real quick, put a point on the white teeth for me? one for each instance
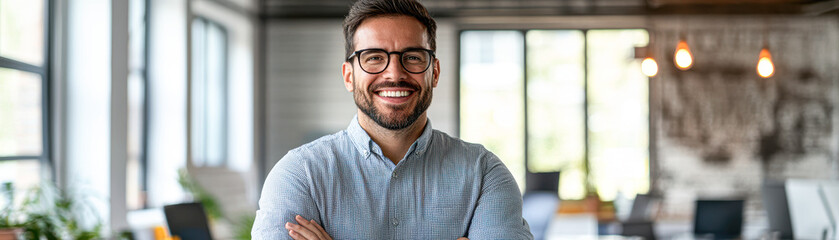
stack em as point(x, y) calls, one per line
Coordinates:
point(393, 93)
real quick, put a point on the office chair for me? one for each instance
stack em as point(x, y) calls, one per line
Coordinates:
point(640, 223)
point(643, 229)
point(540, 201)
point(777, 209)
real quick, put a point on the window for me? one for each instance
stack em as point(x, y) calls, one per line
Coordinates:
point(572, 101)
point(24, 102)
point(491, 85)
point(137, 106)
point(209, 93)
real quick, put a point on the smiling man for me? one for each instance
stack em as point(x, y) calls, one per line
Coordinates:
point(389, 175)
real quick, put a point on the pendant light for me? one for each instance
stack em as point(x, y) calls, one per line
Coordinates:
point(683, 57)
point(649, 67)
point(765, 67)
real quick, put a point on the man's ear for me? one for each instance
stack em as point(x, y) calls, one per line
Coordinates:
point(435, 73)
point(346, 71)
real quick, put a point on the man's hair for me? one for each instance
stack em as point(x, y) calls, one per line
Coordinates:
point(364, 9)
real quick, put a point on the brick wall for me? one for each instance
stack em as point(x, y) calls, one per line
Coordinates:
point(721, 129)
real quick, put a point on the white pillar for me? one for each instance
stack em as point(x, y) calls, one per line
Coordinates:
point(87, 107)
point(119, 113)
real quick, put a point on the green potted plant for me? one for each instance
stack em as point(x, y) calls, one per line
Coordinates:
point(46, 213)
point(9, 229)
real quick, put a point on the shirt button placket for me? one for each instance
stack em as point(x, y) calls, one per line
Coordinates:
point(394, 221)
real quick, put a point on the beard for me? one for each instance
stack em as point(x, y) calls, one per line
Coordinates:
point(399, 119)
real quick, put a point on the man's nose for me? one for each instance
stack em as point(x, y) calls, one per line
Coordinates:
point(394, 70)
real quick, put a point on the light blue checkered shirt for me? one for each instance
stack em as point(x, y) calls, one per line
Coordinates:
point(444, 188)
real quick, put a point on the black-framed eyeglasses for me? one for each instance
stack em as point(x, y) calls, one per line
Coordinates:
point(375, 60)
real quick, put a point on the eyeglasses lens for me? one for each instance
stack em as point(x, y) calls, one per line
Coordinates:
point(375, 61)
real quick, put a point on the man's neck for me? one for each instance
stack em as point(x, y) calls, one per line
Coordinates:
point(394, 143)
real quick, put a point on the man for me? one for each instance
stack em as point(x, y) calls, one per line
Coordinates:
point(389, 175)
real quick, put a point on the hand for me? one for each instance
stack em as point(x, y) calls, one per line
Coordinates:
point(306, 229)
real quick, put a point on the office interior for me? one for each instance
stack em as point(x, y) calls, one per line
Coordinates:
point(619, 119)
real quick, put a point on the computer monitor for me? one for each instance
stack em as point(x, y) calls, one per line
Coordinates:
point(187, 221)
point(777, 210)
point(723, 219)
point(813, 207)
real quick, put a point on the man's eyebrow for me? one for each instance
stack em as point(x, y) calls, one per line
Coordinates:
point(412, 47)
point(400, 50)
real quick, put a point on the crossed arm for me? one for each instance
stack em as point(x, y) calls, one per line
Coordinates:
point(285, 196)
point(306, 229)
point(311, 230)
point(286, 201)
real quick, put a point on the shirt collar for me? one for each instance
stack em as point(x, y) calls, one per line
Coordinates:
point(359, 137)
point(364, 143)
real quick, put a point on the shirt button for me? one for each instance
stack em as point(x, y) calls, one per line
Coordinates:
point(394, 222)
point(395, 175)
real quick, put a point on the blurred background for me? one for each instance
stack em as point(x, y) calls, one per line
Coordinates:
point(127, 106)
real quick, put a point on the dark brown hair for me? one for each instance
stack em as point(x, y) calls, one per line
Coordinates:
point(364, 9)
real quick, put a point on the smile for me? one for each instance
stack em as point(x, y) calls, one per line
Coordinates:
point(394, 93)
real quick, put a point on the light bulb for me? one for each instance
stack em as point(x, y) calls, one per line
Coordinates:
point(649, 67)
point(765, 67)
point(683, 57)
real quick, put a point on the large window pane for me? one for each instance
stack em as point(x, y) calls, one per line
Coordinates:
point(492, 95)
point(618, 113)
point(20, 113)
point(209, 94)
point(556, 107)
point(586, 106)
point(22, 30)
point(23, 174)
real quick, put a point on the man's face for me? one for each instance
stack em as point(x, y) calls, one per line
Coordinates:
point(382, 96)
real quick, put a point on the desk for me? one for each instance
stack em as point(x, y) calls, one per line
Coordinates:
point(584, 226)
point(586, 237)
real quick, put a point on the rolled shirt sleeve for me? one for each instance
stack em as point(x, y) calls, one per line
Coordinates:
point(286, 193)
point(498, 214)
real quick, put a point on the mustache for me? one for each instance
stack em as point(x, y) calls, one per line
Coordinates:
point(400, 84)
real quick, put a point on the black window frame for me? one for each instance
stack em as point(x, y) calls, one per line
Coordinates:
point(142, 157)
point(586, 104)
point(45, 72)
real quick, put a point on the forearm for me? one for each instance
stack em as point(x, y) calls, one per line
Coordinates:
point(498, 214)
point(286, 194)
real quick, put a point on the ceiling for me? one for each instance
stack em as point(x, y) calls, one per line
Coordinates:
point(458, 8)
